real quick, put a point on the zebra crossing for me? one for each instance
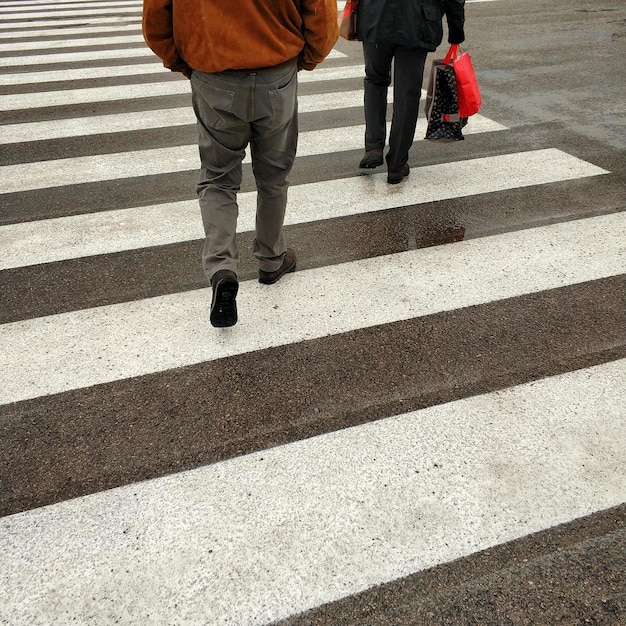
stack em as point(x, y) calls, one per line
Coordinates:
point(418, 391)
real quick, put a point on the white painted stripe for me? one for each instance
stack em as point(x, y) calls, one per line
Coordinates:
point(26, 26)
point(82, 73)
point(69, 97)
point(19, 177)
point(54, 32)
point(261, 537)
point(64, 97)
point(8, 7)
point(321, 73)
point(143, 120)
point(50, 44)
point(97, 125)
point(74, 3)
point(71, 57)
point(44, 241)
point(83, 348)
point(79, 13)
point(97, 55)
point(119, 165)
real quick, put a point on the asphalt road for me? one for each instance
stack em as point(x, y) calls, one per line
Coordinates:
point(425, 424)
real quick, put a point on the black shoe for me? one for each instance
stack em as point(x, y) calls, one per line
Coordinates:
point(393, 178)
point(289, 265)
point(223, 305)
point(371, 159)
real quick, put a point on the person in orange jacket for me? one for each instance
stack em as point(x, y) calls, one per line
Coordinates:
point(242, 57)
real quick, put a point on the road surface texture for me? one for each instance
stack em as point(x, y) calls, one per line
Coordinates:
point(425, 424)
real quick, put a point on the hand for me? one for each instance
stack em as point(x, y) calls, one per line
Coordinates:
point(303, 65)
point(456, 36)
point(182, 67)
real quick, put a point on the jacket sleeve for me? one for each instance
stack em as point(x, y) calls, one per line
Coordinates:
point(158, 32)
point(455, 16)
point(319, 29)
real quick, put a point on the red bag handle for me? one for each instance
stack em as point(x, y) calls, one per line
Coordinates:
point(350, 8)
point(454, 52)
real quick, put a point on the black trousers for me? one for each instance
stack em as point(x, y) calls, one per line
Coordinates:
point(408, 73)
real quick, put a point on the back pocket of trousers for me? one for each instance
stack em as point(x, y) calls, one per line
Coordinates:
point(213, 105)
point(283, 100)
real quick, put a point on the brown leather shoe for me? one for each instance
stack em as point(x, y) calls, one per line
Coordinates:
point(393, 178)
point(289, 265)
point(371, 159)
point(223, 304)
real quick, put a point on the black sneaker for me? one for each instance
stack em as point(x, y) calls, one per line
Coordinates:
point(223, 304)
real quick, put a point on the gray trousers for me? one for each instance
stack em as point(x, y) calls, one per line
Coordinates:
point(235, 109)
point(408, 73)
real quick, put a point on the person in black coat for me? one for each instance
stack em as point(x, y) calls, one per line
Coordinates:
point(402, 32)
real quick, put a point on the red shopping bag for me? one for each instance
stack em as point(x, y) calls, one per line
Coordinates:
point(466, 82)
point(347, 21)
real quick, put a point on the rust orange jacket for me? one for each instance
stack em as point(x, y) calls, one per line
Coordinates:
point(217, 35)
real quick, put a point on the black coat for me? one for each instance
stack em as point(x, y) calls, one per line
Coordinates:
point(413, 23)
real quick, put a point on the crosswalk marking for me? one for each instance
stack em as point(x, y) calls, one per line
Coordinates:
point(126, 340)
point(94, 94)
point(111, 9)
point(169, 88)
point(321, 73)
point(160, 118)
point(83, 73)
point(112, 231)
point(24, 7)
point(73, 57)
point(33, 35)
point(76, 170)
point(55, 44)
point(7, 26)
point(142, 120)
point(68, 9)
point(267, 535)
point(99, 55)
